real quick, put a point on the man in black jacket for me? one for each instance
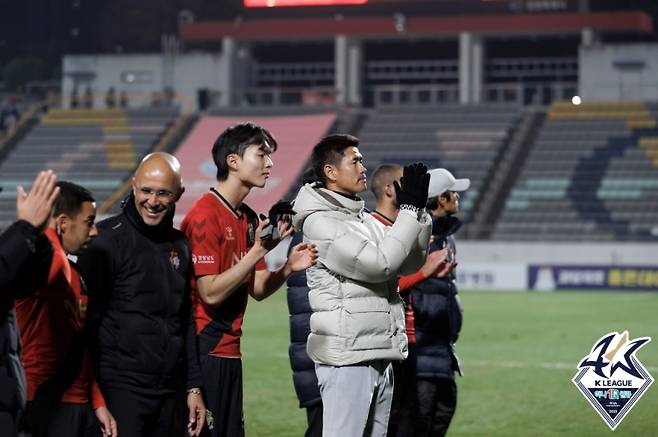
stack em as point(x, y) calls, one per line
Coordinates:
point(138, 272)
point(25, 255)
point(438, 314)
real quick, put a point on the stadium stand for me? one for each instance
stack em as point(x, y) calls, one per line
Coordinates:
point(97, 149)
point(466, 139)
point(591, 176)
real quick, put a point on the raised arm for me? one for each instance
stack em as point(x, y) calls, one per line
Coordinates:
point(351, 253)
point(25, 253)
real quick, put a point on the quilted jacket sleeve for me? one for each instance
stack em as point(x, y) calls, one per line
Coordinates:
point(418, 255)
point(346, 249)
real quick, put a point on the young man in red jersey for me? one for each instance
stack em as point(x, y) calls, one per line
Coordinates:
point(228, 246)
point(61, 390)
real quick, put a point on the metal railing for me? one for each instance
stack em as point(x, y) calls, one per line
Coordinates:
point(412, 70)
point(515, 93)
point(283, 72)
point(285, 96)
point(318, 73)
point(394, 95)
point(532, 68)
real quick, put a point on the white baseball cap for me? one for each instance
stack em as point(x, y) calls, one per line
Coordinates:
point(442, 180)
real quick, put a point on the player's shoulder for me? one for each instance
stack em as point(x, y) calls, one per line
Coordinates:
point(204, 207)
point(325, 225)
point(113, 227)
point(205, 202)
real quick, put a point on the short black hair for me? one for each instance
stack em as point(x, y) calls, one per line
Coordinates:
point(330, 150)
point(236, 139)
point(71, 197)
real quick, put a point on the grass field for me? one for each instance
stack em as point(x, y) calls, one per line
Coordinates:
point(519, 352)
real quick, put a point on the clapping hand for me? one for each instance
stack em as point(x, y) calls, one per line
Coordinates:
point(36, 206)
point(412, 189)
point(279, 221)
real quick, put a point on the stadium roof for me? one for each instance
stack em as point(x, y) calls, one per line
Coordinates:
point(383, 27)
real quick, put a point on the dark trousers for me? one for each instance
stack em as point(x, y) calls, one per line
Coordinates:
point(403, 408)
point(437, 401)
point(8, 426)
point(61, 419)
point(140, 415)
point(314, 420)
point(222, 393)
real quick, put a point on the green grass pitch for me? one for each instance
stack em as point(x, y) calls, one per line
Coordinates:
point(518, 351)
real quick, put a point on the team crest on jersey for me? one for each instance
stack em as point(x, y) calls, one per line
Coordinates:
point(229, 233)
point(174, 260)
point(251, 234)
point(612, 378)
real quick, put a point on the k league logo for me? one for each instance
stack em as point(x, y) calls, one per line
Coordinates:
point(611, 377)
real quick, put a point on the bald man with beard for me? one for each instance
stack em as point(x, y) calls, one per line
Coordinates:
point(137, 273)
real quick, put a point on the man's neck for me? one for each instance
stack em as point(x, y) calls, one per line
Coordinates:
point(388, 210)
point(234, 191)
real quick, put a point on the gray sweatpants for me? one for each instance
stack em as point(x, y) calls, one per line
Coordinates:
point(356, 399)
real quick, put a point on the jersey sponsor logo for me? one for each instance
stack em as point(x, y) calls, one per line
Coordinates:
point(203, 259)
point(612, 378)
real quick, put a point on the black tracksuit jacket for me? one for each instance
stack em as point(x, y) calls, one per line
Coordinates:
point(142, 334)
point(438, 312)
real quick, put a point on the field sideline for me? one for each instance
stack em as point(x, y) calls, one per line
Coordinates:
point(519, 352)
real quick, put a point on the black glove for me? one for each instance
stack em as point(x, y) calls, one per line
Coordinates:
point(280, 211)
point(415, 182)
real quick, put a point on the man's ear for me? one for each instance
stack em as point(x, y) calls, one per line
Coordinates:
point(389, 190)
point(442, 201)
point(232, 161)
point(134, 184)
point(330, 172)
point(62, 222)
point(180, 193)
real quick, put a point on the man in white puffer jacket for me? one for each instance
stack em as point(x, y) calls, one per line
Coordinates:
point(357, 326)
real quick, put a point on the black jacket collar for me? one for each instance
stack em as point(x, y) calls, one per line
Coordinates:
point(159, 232)
point(445, 225)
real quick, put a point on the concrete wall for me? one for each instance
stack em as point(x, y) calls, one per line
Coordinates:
point(142, 75)
point(558, 253)
point(619, 72)
point(547, 267)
